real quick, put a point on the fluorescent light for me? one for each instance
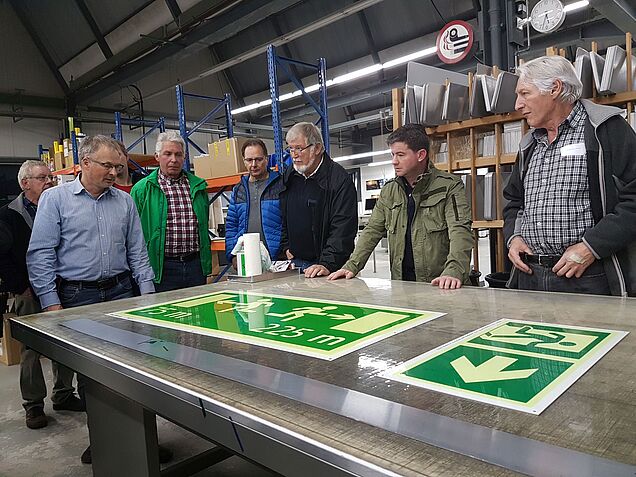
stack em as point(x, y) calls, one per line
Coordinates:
point(360, 73)
point(357, 74)
point(362, 154)
point(576, 6)
point(413, 56)
point(381, 163)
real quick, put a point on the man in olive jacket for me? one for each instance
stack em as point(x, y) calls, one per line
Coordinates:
point(425, 214)
point(173, 208)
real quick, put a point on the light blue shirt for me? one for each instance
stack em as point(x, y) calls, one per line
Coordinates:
point(78, 237)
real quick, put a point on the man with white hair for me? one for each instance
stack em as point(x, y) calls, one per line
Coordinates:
point(570, 225)
point(173, 207)
point(319, 205)
point(16, 222)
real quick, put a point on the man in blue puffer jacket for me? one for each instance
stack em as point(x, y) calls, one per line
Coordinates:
point(254, 205)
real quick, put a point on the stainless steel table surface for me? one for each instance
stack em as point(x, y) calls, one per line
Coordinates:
point(323, 418)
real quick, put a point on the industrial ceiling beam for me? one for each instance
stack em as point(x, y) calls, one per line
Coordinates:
point(373, 50)
point(350, 9)
point(175, 11)
point(88, 16)
point(31, 100)
point(18, 7)
point(621, 13)
point(237, 18)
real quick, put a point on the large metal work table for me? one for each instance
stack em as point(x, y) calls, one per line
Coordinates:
point(305, 416)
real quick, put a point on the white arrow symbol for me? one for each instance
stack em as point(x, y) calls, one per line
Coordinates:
point(491, 370)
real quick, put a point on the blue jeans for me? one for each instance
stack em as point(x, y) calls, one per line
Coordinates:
point(180, 275)
point(593, 281)
point(302, 264)
point(76, 295)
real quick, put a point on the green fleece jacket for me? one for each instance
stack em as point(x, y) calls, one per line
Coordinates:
point(441, 230)
point(152, 206)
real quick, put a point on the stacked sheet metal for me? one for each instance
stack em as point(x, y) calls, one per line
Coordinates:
point(614, 78)
point(583, 67)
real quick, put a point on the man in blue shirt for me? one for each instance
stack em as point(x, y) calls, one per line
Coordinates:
point(87, 243)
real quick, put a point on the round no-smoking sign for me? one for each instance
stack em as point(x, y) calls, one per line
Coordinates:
point(454, 41)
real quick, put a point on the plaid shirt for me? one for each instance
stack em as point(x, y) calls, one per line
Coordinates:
point(557, 198)
point(182, 232)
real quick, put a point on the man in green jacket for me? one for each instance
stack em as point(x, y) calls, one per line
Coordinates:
point(425, 215)
point(173, 208)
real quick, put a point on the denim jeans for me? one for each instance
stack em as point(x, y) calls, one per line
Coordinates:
point(180, 275)
point(32, 383)
point(72, 295)
point(593, 281)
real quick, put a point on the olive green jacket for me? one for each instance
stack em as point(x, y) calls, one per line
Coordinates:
point(441, 231)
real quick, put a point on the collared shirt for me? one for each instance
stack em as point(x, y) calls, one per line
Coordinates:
point(29, 206)
point(557, 199)
point(182, 230)
point(78, 237)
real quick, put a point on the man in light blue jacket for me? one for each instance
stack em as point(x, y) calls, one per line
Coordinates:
point(254, 205)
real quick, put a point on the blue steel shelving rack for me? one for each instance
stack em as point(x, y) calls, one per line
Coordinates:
point(273, 62)
point(225, 102)
point(159, 124)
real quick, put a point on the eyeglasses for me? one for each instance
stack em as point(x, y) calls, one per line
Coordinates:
point(254, 160)
point(298, 149)
point(43, 178)
point(108, 166)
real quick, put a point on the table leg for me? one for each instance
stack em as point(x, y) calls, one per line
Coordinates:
point(123, 434)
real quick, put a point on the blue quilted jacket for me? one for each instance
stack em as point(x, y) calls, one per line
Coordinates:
point(238, 214)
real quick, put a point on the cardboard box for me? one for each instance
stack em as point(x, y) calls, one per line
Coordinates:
point(58, 161)
point(202, 166)
point(225, 158)
point(10, 348)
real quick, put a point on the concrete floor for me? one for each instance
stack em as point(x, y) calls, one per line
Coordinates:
point(55, 450)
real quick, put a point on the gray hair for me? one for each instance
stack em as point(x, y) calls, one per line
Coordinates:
point(543, 71)
point(307, 130)
point(91, 144)
point(26, 168)
point(168, 136)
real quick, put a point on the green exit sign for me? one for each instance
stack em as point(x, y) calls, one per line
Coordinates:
point(516, 364)
point(320, 328)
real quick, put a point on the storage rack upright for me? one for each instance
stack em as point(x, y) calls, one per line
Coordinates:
point(273, 62)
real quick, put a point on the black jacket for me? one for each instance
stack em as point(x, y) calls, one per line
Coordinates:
point(15, 233)
point(610, 145)
point(335, 219)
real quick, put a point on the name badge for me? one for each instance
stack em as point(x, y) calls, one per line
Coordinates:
point(573, 149)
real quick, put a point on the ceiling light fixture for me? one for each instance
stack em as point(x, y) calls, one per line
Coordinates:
point(360, 155)
point(368, 70)
point(576, 6)
point(381, 163)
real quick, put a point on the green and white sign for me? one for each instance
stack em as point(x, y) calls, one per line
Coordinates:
point(516, 364)
point(320, 328)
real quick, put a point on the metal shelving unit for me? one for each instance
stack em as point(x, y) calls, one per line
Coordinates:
point(273, 63)
point(154, 125)
point(223, 103)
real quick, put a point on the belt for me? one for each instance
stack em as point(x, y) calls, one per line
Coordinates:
point(187, 257)
point(103, 284)
point(547, 261)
